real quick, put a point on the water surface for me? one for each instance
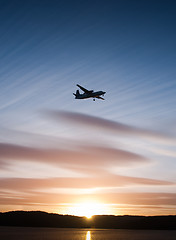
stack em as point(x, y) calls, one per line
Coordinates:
point(22, 233)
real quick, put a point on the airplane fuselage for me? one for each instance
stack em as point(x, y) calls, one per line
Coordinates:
point(90, 95)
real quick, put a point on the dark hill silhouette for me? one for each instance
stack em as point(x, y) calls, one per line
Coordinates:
point(43, 219)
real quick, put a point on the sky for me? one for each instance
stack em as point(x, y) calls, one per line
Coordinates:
point(82, 157)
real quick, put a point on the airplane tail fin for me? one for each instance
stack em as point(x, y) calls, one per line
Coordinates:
point(77, 93)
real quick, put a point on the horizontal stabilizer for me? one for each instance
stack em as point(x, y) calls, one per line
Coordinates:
point(100, 98)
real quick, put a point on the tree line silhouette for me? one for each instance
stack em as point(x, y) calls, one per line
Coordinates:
point(44, 219)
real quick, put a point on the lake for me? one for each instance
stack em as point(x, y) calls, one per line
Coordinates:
point(22, 233)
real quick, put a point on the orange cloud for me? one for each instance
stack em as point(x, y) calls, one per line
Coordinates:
point(134, 200)
point(106, 181)
point(84, 156)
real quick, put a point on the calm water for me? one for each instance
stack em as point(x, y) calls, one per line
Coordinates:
point(19, 233)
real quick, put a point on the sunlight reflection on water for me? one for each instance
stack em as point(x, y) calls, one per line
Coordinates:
point(88, 235)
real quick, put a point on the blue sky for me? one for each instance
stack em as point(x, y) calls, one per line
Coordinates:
point(126, 48)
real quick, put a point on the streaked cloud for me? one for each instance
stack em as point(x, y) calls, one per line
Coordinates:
point(84, 156)
point(107, 181)
point(113, 127)
point(131, 201)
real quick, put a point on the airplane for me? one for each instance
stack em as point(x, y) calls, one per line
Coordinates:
point(88, 94)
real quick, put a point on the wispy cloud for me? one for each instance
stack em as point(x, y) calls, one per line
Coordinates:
point(84, 156)
point(105, 125)
point(39, 200)
point(141, 198)
point(107, 181)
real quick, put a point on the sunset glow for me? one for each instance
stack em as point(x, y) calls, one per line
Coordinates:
point(88, 209)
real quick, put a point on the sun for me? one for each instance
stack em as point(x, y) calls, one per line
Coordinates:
point(87, 209)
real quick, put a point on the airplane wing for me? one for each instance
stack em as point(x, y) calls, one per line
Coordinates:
point(100, 98)
point(84, 89)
